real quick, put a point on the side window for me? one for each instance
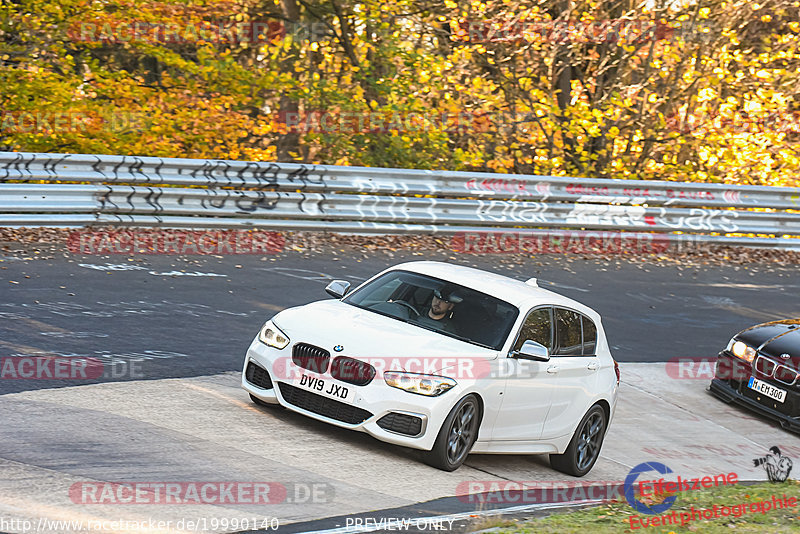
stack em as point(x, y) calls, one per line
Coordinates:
point(589, 336)
point(568, 333)
point(537, 327)
point(387, 291)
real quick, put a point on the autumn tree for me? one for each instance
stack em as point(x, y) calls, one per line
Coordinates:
point(702, 91)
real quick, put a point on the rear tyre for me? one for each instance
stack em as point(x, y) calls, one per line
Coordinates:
point(584, 448)
point(457, 435)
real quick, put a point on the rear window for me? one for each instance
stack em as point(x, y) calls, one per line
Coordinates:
point(568, 333)
point(576, 334)
point(589, 336)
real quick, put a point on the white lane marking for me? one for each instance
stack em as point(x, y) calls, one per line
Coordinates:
point(305, 274)
point(113, 267)
point(185, 273)
point(129, 267)
point(164, 308)
point(73, 334)
point(104, 355)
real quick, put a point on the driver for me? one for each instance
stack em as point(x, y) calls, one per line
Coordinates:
point(439, 314)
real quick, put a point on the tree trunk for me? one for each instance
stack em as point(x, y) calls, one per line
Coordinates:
point(288, 145)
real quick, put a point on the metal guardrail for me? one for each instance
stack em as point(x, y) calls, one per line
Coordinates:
point(185, 193)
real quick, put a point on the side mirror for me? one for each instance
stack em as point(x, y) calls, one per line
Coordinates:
point(532, 350)
point(338, 288)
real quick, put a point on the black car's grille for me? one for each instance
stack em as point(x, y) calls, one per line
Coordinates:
point(769, 369)
point(258, 376)
point(737, 374)
point(401, 423)
point(352, 371)
point(324, 406)
point(785, 375)
point(765, 366)
point(311, 357)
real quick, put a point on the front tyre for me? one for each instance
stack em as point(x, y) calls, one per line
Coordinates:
point(584, 448)
point(457, 435)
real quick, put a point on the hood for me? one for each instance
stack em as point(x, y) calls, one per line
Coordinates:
point(364, 334)
point(774, 338)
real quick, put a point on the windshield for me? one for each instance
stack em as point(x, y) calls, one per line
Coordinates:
point(449, 309)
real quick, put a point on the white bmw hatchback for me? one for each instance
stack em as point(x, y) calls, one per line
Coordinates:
point(446, 359)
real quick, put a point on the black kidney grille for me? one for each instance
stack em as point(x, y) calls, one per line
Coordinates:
point(324, 406)
point(258, 376)
point(352, 371)
point(311, 357)
point(401, 423)
point(765, 366)
point(785, 375)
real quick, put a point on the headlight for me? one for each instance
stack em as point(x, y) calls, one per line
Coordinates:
point(428, 385)
point(743, 351)
point(273, 336)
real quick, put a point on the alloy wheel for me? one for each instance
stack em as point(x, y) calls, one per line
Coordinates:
point(461, 433)
point(589, 441)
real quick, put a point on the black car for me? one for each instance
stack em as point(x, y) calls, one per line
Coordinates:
point(760, 368)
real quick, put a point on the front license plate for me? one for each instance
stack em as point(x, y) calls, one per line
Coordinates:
point(770, 391)
point(318, 385)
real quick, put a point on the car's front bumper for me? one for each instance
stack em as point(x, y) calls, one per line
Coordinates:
point(730, 384)
point(370, 403)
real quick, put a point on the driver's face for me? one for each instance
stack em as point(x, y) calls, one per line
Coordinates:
point(440, 306)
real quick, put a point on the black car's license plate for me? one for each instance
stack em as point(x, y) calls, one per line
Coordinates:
point(324, 386)
point(770, 391)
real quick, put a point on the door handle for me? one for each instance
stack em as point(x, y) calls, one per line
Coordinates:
point(553, 369)
point(593, 366)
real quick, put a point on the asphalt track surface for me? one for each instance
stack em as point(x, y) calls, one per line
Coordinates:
point(172, 333)
point(195, 315)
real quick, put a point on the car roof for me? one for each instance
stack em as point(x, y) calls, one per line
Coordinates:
point(515, 292)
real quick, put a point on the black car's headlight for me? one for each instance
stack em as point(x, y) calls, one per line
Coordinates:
point(273, 336)
point(742, 350)
point(429, 385)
